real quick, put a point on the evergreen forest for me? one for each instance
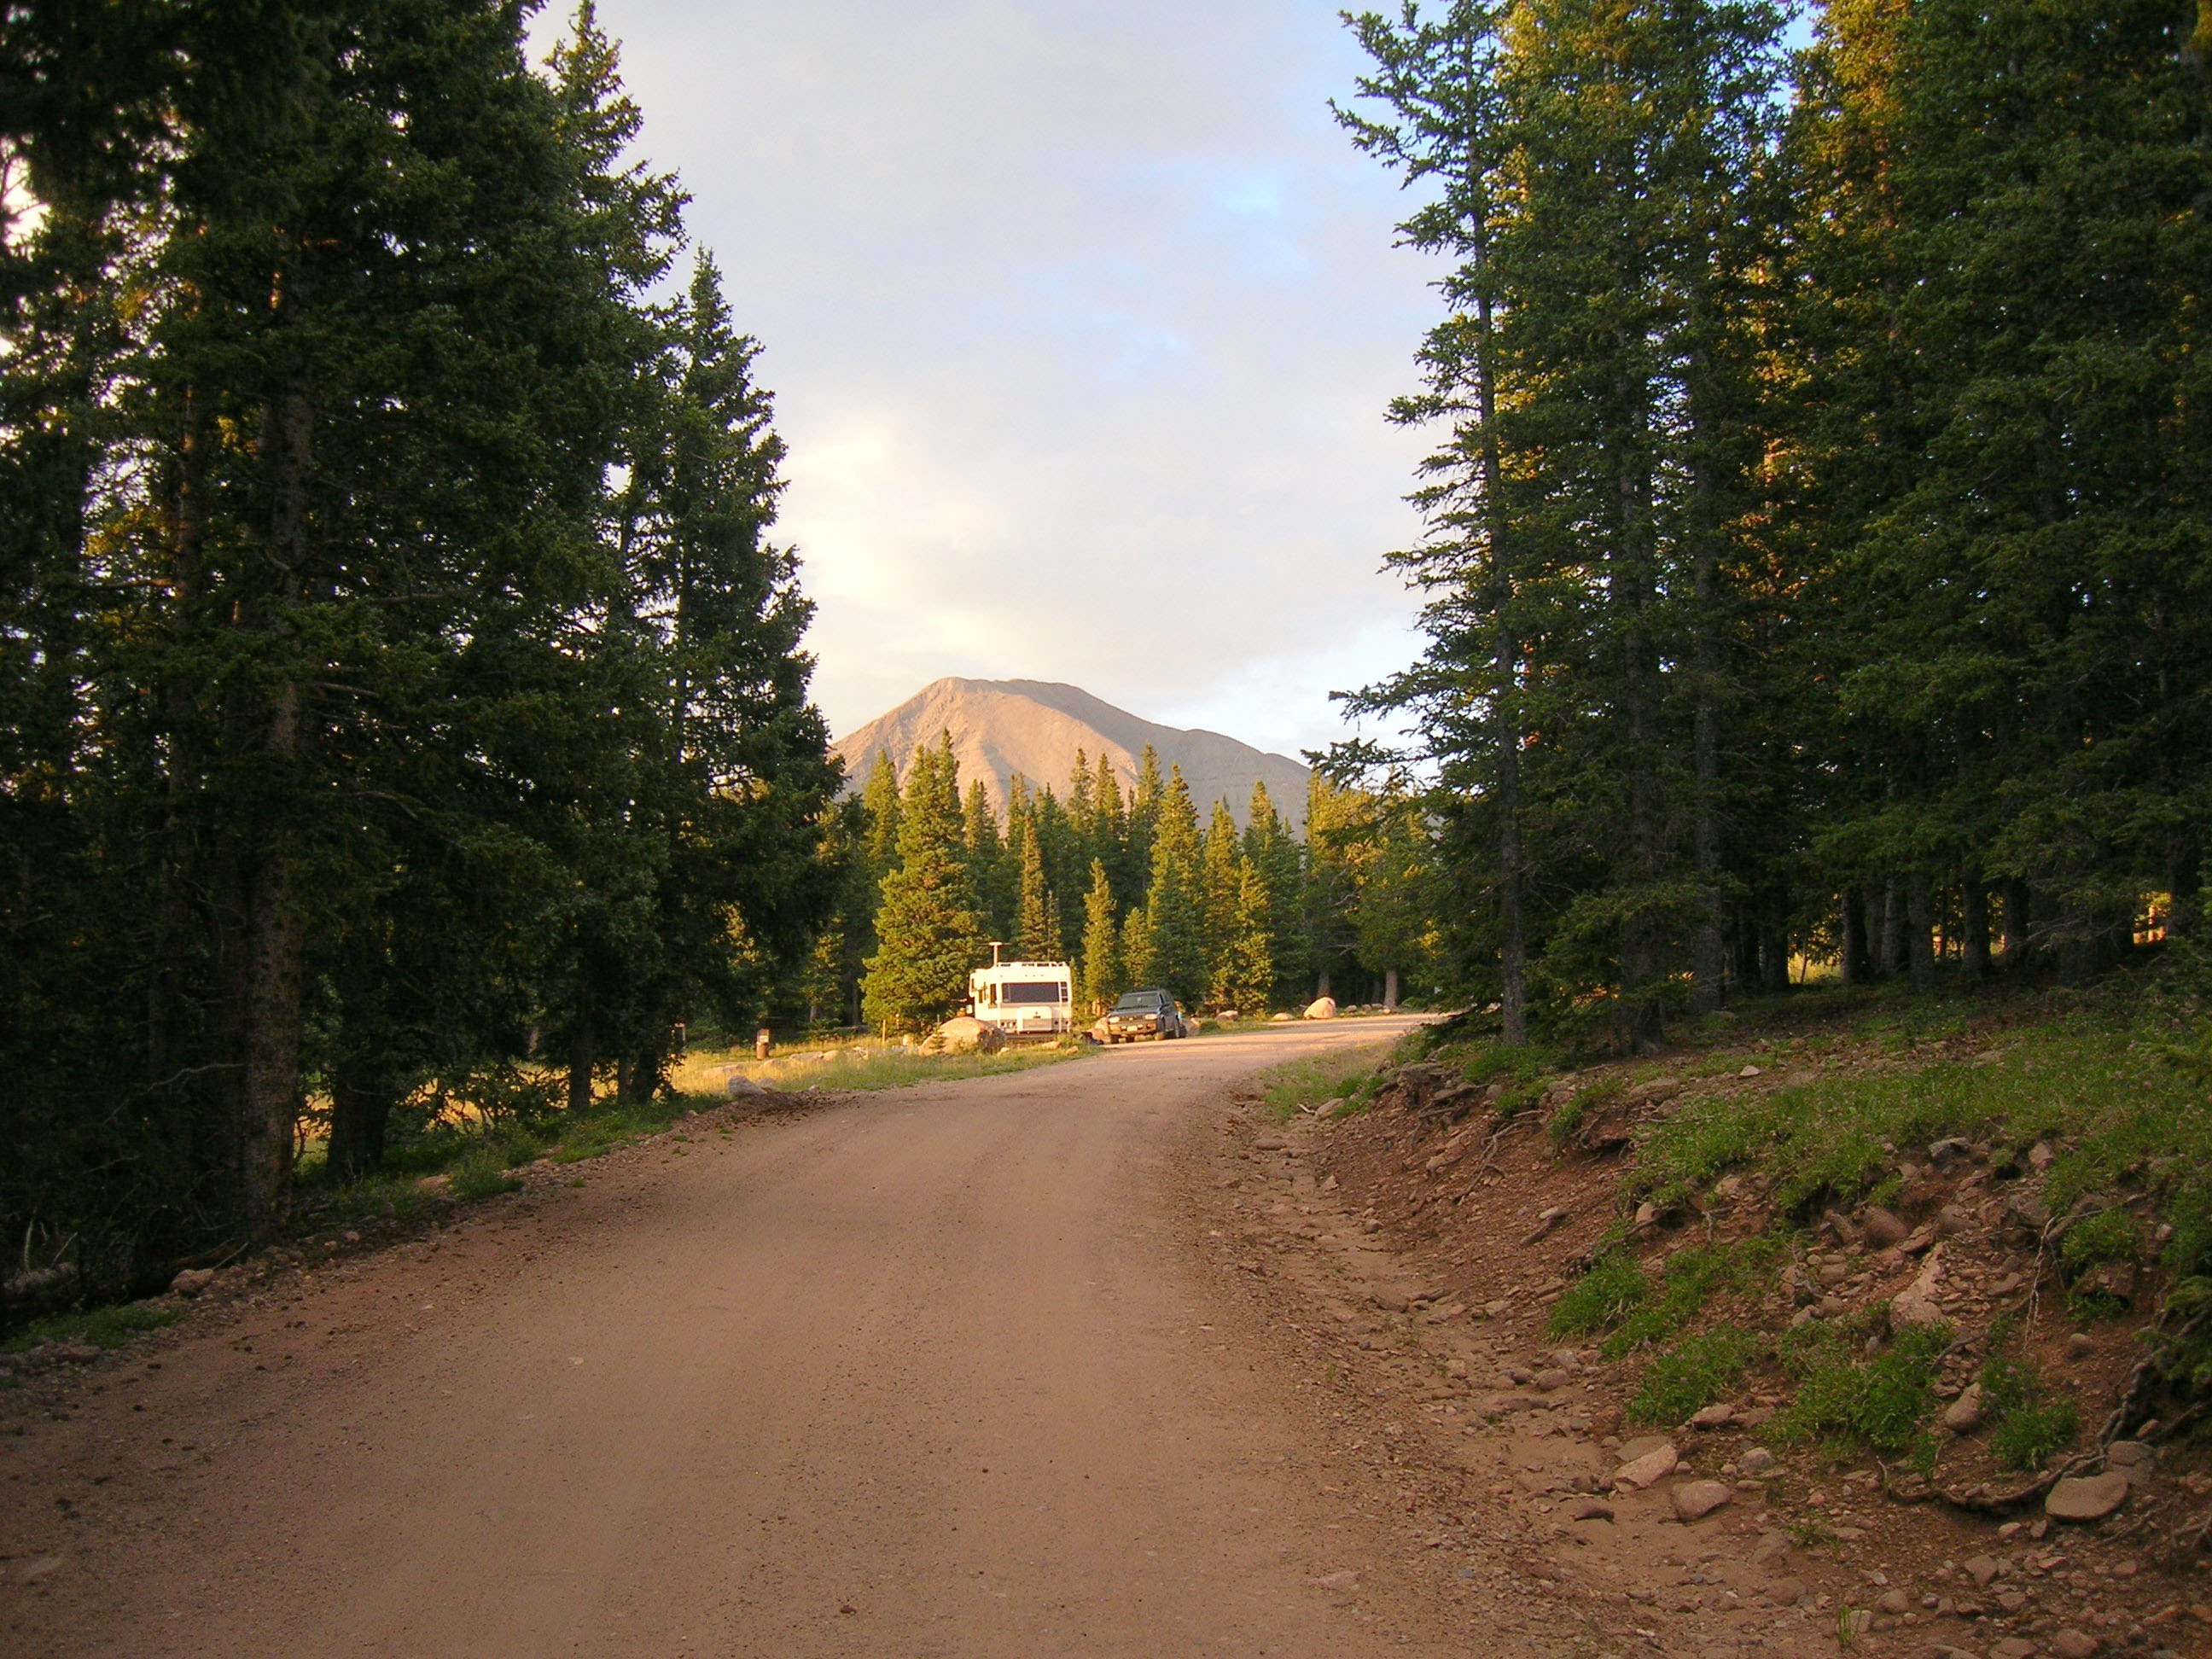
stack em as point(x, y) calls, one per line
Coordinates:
point(404, 703)
point(1131, 890)
point(1817, 549)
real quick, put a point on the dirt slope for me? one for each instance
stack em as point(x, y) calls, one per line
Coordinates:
point(946, 1372)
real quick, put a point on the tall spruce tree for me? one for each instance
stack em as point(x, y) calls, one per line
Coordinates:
point(1103, 976)
point(931, 936)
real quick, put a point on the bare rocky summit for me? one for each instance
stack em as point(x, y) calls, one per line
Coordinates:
point(1034, 727)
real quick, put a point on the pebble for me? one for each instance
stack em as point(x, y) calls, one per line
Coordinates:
point(1894, 1602)
point(2081, 1345)
point(2012, 1647)
point(1981, 1569)
point(1713, 1417)
point(1883, 1227)
point(1754, 1460)
point(192, 1280)
point(1696, 1499)
point(1338, 1581)
point(2070, 1643)
point(1654, 1465)
point(1964, 1414)
point(2086, 1497)
point(1552, 1377)
point(1593, 1509)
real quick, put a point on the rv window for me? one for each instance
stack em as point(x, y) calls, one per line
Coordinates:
point(1035, 990)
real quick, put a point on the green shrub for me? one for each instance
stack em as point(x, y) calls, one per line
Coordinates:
point(1879, 1401)
point(481, 1172)
point(1686, 1280)
point(2027, 1438)
point(2027, 1425)
point(1697, 1372)
point(1567, 1122)
point(1613, 1288)
point(2094, 1240)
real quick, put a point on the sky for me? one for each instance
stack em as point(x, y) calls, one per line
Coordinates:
point(1082, 319)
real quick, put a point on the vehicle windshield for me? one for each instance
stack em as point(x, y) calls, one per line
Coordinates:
point(1138, 1002)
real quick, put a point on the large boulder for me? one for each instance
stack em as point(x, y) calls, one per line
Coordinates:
point(965, 1035)
point(1322, 1008)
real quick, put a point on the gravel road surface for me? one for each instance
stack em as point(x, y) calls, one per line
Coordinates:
point(935, 1372)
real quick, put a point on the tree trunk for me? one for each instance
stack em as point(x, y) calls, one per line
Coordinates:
point(1774, 958)
point(1920, 932)
point(641, 1077)
point(1504, 682)
point(1890, 953)
point(1708, 949)
point(361, 1117)
point(1974, 906)
point(1854, 967)
point(1634, 586)
point(1390, 990)
point(583, 1061)
point(2018, 908)
point(275, 943)
point(2184, 887)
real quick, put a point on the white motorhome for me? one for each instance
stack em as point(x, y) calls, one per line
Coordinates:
point(1024, 999)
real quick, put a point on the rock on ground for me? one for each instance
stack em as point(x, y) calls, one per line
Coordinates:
point(2086, 1497)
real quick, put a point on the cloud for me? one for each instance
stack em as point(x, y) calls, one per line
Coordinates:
point(1081, 318)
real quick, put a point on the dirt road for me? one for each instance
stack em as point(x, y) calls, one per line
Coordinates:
point(937, 1372)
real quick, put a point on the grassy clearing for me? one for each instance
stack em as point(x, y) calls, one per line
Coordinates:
point(102, 1328)
point(1299, 1085)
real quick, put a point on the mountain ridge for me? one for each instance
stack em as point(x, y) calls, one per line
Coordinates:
point(1036, 727)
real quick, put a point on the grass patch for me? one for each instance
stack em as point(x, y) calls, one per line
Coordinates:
point(102, 1328)
point(1700, 1372)
point(862, 1067)
point(1880, 1401)
point(2030, 1425)
point(2102, 1092)
point(1613, 1288)
point(480, 1172)
point(1640, 1309)
point(2094, 1240)
point(1299, 1085)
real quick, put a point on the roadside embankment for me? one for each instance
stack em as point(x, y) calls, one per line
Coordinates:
point(1837, 1330)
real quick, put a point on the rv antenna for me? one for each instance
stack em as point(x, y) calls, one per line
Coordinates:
point(996, 944)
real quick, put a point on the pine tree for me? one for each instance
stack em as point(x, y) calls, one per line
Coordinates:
point(1102, 975)
point(1247, 971)
point(1140, 957)
point(1221, 859)
point(994, 867)
point(1274, 853)
point(1146, 801)
point(879, 802)
point(1175, 909)
point(1038, 938)
point(931, 935)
